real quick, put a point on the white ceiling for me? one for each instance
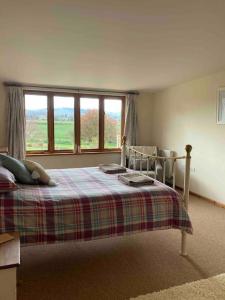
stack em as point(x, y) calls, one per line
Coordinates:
point(111, 44)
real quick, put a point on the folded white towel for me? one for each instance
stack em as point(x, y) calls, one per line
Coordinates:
point(135, 179)
point(112, 168)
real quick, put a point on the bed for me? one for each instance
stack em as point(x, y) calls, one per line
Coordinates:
point(88, 204)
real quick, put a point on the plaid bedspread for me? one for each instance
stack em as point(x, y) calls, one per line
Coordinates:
point(89, 204)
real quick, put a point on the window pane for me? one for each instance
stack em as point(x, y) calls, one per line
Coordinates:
point(89, 122)
point(64, 122)
point(113, 109)
point(36, 122)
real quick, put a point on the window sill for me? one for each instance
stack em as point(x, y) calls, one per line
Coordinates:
point(72, 153)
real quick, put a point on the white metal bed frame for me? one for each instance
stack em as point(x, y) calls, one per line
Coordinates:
point(142, 156)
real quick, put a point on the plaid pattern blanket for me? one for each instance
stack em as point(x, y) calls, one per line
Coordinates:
point(89, 204)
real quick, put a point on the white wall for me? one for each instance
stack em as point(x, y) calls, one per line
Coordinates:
point(76, 161)
point(184, 114)
point(144, 116)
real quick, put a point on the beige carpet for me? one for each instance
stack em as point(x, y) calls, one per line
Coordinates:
point(212, 288)
point(122, 268)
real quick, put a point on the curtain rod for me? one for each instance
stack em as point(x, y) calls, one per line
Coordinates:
point(66, 88)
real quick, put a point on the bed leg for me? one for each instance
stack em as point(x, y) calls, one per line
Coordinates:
point(123, 152)
point(183, 251)
point(188, 149)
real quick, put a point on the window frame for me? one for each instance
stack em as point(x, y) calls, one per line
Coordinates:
point(77, 124)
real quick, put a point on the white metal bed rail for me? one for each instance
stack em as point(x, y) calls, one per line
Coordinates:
point(137, 155)
point(143, 156)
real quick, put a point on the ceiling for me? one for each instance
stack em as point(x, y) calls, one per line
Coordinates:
point(111, 44)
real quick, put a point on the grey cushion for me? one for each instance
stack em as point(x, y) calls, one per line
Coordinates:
point(7, 181)
point(18, 169)
point(169, 162)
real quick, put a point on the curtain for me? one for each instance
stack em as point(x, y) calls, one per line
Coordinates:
point(16, 122)
point(130, 130)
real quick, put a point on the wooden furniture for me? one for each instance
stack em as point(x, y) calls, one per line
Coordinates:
point(9, 260)
point(143, 156)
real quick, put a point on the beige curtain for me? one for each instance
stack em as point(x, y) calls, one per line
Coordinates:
point(16, 122)
point(130, 130)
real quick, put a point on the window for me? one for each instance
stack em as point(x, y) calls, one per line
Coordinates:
point(89, 123)
point(72, 123)
point(63, 123)
point(36, 122)
point(112, 127)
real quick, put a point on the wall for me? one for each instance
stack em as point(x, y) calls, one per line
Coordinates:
point(76, 161)
point(184, 114)
point(144, 116)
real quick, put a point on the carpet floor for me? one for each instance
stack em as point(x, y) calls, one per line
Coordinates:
point(125, 267)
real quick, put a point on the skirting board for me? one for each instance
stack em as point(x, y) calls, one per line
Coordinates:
point(203, 197)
